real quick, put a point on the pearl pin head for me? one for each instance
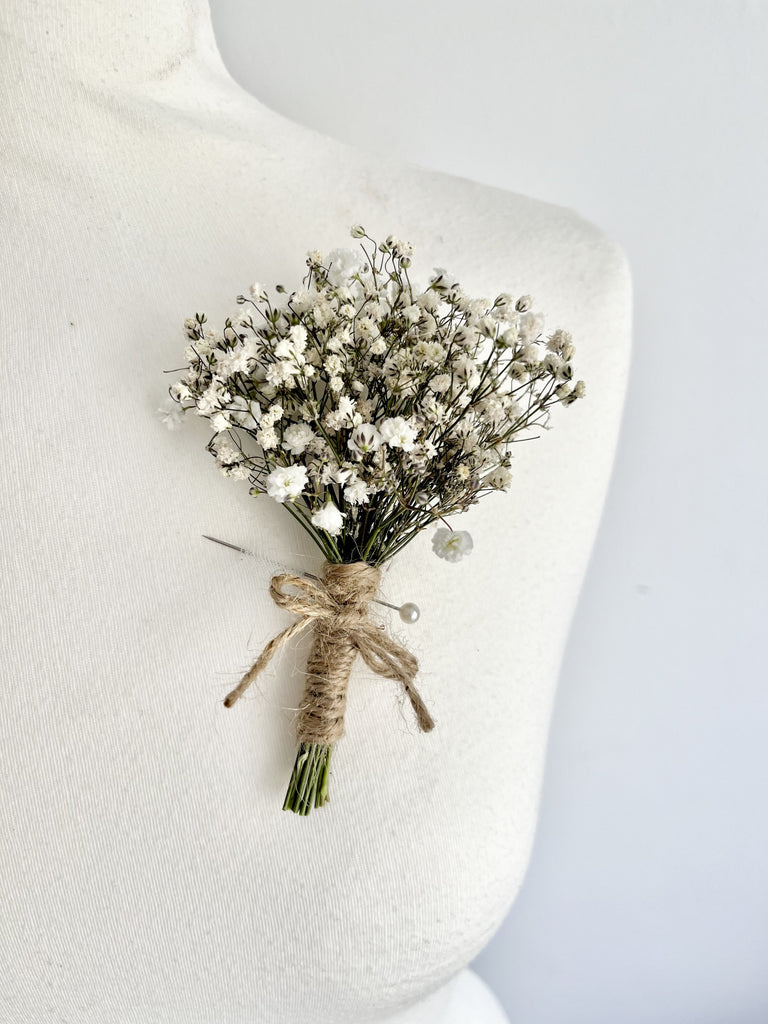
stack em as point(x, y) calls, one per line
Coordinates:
point(409, 612)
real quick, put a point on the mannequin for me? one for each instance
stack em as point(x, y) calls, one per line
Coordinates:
point(147, 871)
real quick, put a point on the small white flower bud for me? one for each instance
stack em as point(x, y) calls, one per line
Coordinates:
point(329, 518)
point(452, 545)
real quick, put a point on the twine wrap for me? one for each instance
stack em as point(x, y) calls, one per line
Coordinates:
point(337, 606)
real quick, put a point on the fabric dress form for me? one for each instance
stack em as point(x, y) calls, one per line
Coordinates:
point(147, 871)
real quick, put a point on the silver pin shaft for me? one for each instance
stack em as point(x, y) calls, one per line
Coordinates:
point(311, 576)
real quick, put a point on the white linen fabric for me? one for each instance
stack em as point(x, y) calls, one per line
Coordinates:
point(147, 870)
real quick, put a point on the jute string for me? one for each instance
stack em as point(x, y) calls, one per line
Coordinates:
point(337, 607)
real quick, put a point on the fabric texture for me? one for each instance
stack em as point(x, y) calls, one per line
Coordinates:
point(147, 871)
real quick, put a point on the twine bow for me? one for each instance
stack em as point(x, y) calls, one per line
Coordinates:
point(337, 606)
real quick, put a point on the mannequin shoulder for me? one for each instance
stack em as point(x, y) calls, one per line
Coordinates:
point(500, 241)
point(495, 241)
point(528, 237)
point(437, 211)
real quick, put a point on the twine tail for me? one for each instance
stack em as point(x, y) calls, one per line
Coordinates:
point(263, 660)
point(383, 656)
point(425, 720)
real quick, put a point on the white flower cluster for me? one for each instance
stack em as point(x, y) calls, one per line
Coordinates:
point(368, 406)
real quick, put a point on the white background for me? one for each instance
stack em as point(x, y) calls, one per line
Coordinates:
point(647, 896)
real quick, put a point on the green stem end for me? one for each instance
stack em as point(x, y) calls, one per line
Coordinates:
point(308, 787)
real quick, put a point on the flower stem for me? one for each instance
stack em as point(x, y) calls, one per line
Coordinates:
point(308, 786)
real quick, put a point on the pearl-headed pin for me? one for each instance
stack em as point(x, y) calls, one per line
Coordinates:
point(408, 612)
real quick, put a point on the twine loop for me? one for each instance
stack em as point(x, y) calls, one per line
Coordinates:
point(337, 607)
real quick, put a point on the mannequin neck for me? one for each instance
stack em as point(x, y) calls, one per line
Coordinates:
point(120, 44)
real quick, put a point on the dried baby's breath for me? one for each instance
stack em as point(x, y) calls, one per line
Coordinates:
point(369, 407)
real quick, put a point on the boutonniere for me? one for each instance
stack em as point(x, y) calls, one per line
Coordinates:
point(370, 408)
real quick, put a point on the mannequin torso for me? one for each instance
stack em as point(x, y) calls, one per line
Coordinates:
point(147, 871)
